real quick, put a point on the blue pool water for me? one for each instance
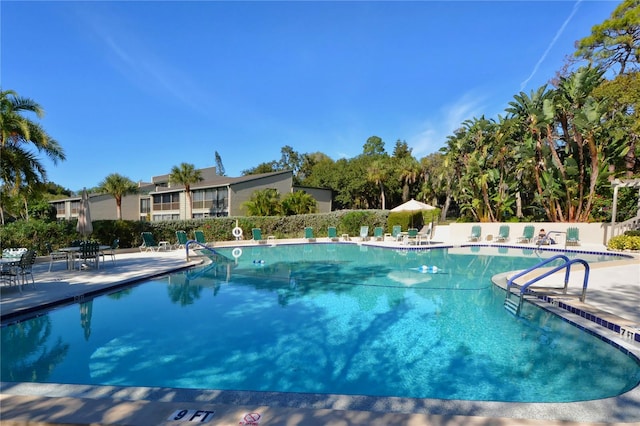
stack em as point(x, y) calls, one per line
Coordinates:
point(325, 318)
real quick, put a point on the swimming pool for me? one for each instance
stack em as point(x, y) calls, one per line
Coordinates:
point(324, 318)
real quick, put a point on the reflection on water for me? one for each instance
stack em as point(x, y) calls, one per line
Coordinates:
point(30, 352)
point(328, 319)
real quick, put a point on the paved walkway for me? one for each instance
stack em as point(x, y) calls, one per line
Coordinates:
point(614, 290)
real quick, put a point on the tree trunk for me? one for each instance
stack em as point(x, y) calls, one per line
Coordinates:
point(519, 205)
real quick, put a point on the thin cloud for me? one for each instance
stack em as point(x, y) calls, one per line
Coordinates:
point(553, 42)
point(138, 63)
point(435, 131)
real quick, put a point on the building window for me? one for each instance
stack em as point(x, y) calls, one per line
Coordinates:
point(204, 198)
point(145, 206)
point(60, 210)
point(75, 207)
point(169, 201)
point(168, 216)
point(221, 200)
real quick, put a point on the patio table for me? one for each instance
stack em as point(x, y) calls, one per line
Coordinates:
point(71, 251)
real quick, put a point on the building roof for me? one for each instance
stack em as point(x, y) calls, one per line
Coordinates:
point(219, 181)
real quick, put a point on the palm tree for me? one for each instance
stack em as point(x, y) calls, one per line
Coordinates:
point(299, 202)
point(377, 173)
point(20, 167)
point(118, 186)
point(409, 170)
point(264, 203)
point(185, 174)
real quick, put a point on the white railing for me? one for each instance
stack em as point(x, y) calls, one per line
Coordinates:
point(627, 225)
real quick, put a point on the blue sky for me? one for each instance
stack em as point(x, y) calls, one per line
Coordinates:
point(138, 87)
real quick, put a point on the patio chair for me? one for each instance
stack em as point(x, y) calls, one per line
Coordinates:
point(527, 234)
point(111, 251)
point(378, 233)
point(426, 233)
point(89, 252)
point(573, 236)
point(8, 274)
point(308, 234)
point(364, 233)
point(332, 233)
point(54, 255)
point(503, 234)
point(476, 232)
point(396, 233)
point(148, 242)
point(199, 236)
point(411, 236)
point(25, 267)
point(9, 268)
point(181, 237)
point(257, 236)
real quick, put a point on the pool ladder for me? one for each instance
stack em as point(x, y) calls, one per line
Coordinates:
point(515, 306)
point(201, 246)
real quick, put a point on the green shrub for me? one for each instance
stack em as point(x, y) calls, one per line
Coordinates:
point(35, 233)
point(624, 242)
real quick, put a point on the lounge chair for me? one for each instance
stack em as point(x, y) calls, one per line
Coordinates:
point(527, 234)
point(411, 236)
point(199, 234)
point(332, 233)
point(257, 235)
point(426, 233)
point(503, 234)
point(181, 236)
point(378, 233)
point(573, 236)
point(148, 242)
point(396, 233)
point(364, 233)
point(54, 255)
point(476, 232)
point(308, 234)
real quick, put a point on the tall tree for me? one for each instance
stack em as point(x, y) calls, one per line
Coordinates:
point(220, 171)
point(377, 173)
point(409, 171)
point(615, 43)
point(374, 146)
point(118, 186)
point(19, 166)
point(401, 150)
point(185, 174)
point(623, 123)
point(270, 167)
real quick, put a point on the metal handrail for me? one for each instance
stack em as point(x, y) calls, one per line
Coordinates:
point(566, 265)
point(534, 267)
point(204, 246)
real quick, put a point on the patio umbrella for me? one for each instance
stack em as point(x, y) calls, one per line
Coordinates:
point(84, 226)
point(412, 206)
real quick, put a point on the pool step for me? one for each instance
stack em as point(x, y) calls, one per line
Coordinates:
point(511, 306)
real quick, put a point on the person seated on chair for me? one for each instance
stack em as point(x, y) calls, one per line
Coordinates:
point(543, 238)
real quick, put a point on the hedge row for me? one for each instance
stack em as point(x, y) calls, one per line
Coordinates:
point(35, 233)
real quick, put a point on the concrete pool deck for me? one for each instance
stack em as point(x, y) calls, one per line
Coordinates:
point(613, 290)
